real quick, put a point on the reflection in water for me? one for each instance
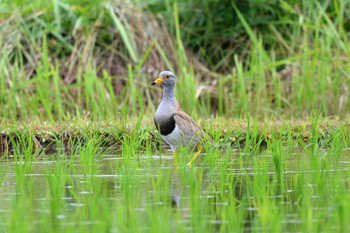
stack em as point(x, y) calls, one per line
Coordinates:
point(175, 195)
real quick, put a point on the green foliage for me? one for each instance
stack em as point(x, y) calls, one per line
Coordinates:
point(76, 58)
point(84, 186)
point(213, 29)
point(66, 65)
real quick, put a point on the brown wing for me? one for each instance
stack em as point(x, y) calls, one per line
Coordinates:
point(189, 127)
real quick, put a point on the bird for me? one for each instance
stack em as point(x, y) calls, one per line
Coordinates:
point(176, 128)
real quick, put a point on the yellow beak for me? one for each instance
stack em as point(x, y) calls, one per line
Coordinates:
point(158, 81)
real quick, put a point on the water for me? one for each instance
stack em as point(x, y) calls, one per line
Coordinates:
point(113, 174)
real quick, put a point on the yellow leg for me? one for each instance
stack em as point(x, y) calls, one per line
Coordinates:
point(200, 148)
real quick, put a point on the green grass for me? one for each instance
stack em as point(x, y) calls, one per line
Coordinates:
point(268, 81)
point(290, 185)
point(91, 59)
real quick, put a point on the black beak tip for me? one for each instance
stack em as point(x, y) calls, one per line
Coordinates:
point(153, 84)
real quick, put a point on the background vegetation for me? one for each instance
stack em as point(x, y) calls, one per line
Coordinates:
point(232, 58)
point(79, 151)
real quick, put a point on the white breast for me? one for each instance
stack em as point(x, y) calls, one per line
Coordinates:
point(175, 139)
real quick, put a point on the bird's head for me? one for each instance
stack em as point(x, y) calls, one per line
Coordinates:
point(165, 78)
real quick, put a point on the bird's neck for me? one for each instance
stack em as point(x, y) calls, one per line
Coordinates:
point(169, 94)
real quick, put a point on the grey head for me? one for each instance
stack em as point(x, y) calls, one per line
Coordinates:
point(165, 79)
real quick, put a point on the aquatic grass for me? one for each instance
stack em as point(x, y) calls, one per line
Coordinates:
point(24, 154)
point(224, 186)
point(57, 179)
point(254, 138)
point(162, 191)
point(281, 188)
point(315, 183)
point(91, 199)
point(199, 206)
point(132, 144)
point(85, 190)
point(279, 159)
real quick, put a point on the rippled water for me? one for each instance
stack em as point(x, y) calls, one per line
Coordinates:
point(151, 167)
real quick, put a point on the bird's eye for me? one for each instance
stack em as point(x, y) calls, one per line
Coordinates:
point(167, 76)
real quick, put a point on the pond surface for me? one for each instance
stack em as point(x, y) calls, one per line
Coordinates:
point(244, 193)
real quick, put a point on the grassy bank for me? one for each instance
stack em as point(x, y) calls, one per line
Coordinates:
point(228, 133)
